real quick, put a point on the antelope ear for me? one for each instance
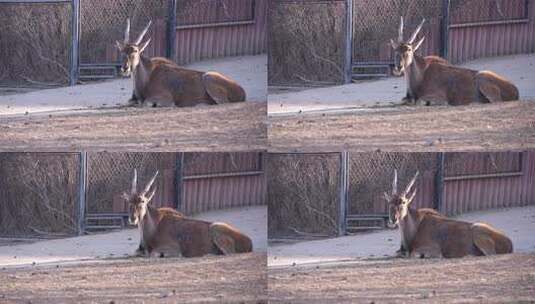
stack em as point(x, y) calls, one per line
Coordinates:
point(418, 44)
point(393, 44)
point(144, 45)
point(119, 45)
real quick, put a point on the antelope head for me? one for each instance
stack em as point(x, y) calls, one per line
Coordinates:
point(132, 50)
point(398, 203)
point(138, 201)
point(404, 50)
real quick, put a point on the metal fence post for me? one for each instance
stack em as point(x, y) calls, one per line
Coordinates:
point(349, 42)
point(82, 193)
point(439, 183)
point(171, 31)
point(344, 187)
point(445, 29)
point(179, 173)
point(75, 43)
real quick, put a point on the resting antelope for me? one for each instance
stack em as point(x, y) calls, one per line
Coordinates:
point(426, 233)
point(160, 82)
point(432, 80)
point(166, 232)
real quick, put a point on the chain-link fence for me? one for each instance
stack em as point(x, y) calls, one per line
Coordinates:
point(102, 22)
point(371, 174)
point(35, 43)
point(307, 42)
point(303, 194)
point(38, 193)
point(110, 174)
point(376, 22)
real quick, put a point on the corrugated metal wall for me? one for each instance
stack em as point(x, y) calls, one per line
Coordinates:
point(470, 194)
point(222, 180)
point(198, 43)
point(468, 40)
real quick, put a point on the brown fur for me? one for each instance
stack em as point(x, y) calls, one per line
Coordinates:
point(432, 80)
point(169, 84)
point(176, 234)
point(438, 236)
point(160, 82)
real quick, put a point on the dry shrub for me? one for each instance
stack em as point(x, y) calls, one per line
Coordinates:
point(303, 194)
point(35, 44)
point(38, 193)
point(306, 43)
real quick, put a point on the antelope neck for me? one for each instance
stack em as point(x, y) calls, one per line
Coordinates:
point(141, 75)
point(414, 74)
point(408, 227)
point(148, 223)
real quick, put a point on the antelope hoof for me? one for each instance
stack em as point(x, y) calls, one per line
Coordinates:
point(407, 101)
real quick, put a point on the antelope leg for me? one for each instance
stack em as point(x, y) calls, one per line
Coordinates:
point(490, 91)
point(222, 239)
point(222, 89)
point(215, 87)
point(483, 241)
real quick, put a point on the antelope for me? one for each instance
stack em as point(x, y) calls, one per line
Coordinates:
point(159, 82)
point(427, 233)
point(165, 232)
point(432, 80)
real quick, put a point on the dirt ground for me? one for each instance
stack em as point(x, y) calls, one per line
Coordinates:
point(503, 126)
point(496, 279)
point(229, 127)
point(237, 278)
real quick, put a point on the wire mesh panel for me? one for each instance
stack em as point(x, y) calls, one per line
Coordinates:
point(204, 12)
point(303, 194)
point(104, 21)
point(376, 22)
point(38, 193)
point(371, 174)
point(307, 42)
point(35, 43)
point(110, 174)
point(474, 11)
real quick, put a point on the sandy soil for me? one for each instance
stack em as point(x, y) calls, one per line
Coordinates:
point(249, 71)
point(120, 244)
point(232, 127)
point(384, 243)
point(520, 69)
point(504, 126)
point(237, 278)
point(496, 279)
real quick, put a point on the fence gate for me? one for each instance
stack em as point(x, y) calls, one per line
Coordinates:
point(376, 22)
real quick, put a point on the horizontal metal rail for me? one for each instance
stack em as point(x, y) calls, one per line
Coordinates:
point(222, 175)
point(216, 24)
point(483, 176)
point(485, 23)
